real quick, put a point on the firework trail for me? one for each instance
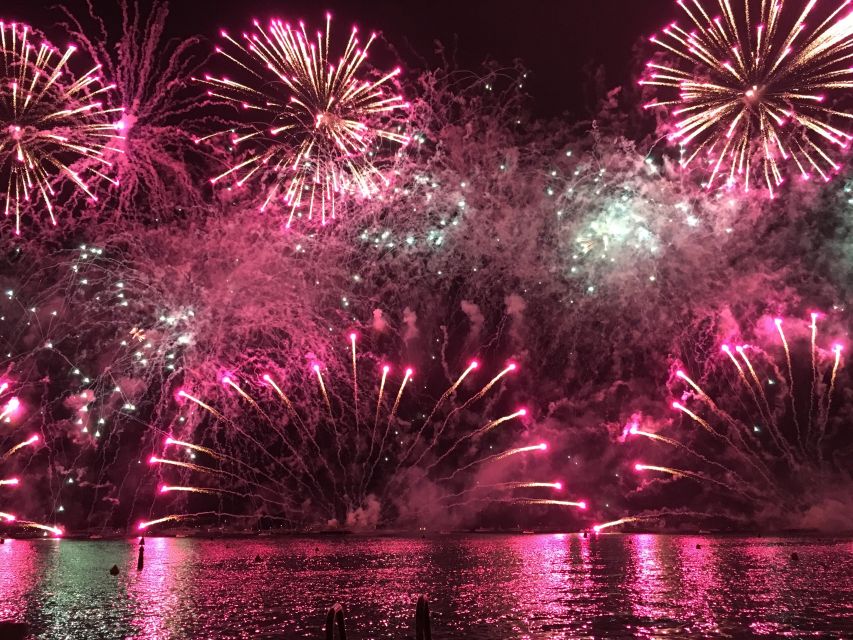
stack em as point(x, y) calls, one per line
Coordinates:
point(13, 483)
point(317, 127)
point(779, 447)
point(752, 88)
point(54, 125)
point(496, 457)
point(658, 515)
point(300, 454)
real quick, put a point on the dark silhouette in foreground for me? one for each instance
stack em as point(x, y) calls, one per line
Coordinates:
point(335, 621)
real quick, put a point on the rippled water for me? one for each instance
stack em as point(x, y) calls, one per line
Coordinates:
point(547, 586)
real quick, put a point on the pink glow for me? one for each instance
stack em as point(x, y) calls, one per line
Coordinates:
point(558, 486)
point(169, 441)
point(522, 412)
point(582, 504)
point(543, 446)
point(11, 407)
point(677, 405)
point(385, 368)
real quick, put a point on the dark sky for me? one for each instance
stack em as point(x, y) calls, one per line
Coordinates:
point(556, 39)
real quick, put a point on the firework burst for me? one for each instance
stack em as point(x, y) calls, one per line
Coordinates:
point(159, 107)
point(307, 451)
point(755, 88)
point(53, 125)
point(765, 429)
point(11, 411)
point(319, 128)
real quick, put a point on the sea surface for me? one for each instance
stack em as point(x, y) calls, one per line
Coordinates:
point(479, 586)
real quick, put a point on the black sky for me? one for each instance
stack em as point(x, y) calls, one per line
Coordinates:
point(557, 39)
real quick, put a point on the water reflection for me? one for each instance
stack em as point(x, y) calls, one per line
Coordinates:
point(537, 587)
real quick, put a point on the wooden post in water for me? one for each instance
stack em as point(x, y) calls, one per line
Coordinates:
point(335, 618)
point(422, 627)
point(140, 561)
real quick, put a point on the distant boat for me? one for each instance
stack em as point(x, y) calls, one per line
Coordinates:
point(528, 532)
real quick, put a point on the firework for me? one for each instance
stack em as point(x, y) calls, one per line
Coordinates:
point(53, 125)
point(326, 450)
point(615, 523)
point(755, 88)
point(319, 127)
point(13, 482)
point(766, 434)
point(159, 107)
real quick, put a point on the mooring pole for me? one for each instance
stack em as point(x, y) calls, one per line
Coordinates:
point(335, 618)
point(422, 628)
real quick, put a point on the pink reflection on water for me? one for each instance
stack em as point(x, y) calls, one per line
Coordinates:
point(701, 583)
point(651, 583)
point(19, 575)
point(155, 592)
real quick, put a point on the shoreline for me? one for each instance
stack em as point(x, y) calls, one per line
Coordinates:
point(404, 533)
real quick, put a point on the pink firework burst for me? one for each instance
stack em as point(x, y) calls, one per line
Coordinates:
point(315, 129)
point(54, 126)
point(750, 86)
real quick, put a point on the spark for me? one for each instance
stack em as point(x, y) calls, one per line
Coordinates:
point(57, 532)
point(150, 523)
point(615, 523)
point(503, 455)
point(194, 447)
point(560, 503)
point(206, 407)
point(31, 440)
point(10, 408)
point(169, 488)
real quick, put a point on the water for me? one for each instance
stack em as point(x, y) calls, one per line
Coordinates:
point(638, 586)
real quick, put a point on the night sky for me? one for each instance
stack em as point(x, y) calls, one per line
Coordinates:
point(560, 41)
